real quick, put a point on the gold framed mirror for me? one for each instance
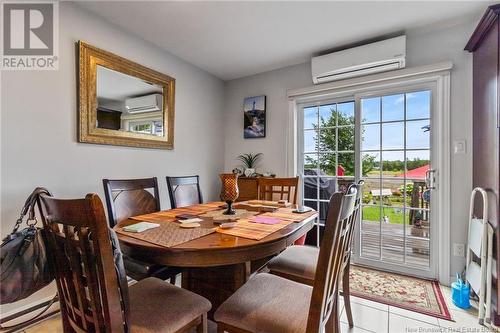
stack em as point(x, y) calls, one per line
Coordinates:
point(123, 103)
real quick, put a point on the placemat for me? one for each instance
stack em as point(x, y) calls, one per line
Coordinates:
point(286, 214)
point(251, 230)
point(168, 234)
point(218, 215)
point(169, 215)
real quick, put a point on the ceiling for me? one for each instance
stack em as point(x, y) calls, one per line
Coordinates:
point(237, 39)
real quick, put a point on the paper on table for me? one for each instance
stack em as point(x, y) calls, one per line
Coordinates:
point(264, 220)
point(140, 227)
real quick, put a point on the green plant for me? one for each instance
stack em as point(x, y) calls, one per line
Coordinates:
point(250, 160)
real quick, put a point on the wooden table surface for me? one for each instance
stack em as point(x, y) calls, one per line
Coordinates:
point(215, 265)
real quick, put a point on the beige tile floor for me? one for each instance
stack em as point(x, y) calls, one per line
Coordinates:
point(369, 317)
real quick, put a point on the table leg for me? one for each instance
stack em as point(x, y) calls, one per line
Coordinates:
point(215, 283)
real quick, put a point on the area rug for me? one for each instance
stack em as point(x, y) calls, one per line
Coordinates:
point(410, 293)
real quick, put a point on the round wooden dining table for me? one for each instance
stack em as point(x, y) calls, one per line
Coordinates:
point(217, 264)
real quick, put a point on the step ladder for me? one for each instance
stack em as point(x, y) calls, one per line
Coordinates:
point(479, 256)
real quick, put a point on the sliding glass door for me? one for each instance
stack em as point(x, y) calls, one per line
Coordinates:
point(384, 138)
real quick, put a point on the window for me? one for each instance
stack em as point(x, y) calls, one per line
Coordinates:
point(154, 127)
point(328, 157)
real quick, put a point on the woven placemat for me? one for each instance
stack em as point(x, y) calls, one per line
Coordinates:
point(168, 234)
point(218, 215)
point(257, 231)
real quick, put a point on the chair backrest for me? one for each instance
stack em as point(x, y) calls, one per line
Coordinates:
point(357, 206)
point(130, 197)
point(333, 250)
point(184, 191)
point(81, 257)
point(275, 189)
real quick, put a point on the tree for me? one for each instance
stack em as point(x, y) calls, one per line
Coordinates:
point(327, 142)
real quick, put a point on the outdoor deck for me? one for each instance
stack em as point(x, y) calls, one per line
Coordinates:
point(393, 249)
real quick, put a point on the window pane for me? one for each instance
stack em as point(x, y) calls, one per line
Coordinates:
point(346, 138)
point(370, 164)
point(418, 223)
point(393, 248)
point(370, 137)
point(310, 117)
point(327, 115)
point(418, 134)
point(370, 110)
point(327, 164)
point(417, 194)
point(370, 243)
point(310, 138)
point(310, 188)
point(345, 112)
point(393, 164)
point(418, 105)
point(393, 135)
point(417, 252)
point(327, 186)
point(393, 107)
point(328, 139)
point(312, 204)
point(310, 164)
point(392, 191)
point(417, 163)
point(345, 164)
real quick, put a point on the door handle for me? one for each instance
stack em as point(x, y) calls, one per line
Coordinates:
point(430, 179)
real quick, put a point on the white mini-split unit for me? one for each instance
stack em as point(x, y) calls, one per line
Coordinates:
point(366, 59)
point(148, 103)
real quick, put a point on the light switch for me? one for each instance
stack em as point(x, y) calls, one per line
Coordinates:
point(459, 147)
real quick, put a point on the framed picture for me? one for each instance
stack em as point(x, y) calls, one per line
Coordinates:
point(254, 114)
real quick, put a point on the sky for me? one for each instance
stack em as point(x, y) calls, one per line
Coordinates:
point(382, 117)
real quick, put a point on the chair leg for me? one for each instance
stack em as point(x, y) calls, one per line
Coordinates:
point(203, 326)
point(220, 328)
point(171, 279)
point(332, 325)
point(347, 294)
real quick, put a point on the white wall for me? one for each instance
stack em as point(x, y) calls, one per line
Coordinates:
point(39, 123)
point(424, 47)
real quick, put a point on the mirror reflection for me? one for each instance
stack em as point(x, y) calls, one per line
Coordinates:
point(127, 103)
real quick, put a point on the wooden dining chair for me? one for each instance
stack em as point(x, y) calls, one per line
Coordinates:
point(85, 258)
point(131, 197)
point(299, 263)
point(184, 191)
point(272, 304)
point(275, 189)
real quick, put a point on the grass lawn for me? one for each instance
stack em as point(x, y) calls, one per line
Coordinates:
point(372, 213)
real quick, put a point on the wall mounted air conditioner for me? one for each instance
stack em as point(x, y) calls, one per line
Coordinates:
point(366, 59)
point(148, 103)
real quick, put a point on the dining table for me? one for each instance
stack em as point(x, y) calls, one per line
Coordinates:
point(215, 261)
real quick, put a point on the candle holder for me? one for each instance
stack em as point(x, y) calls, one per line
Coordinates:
point(229, 192)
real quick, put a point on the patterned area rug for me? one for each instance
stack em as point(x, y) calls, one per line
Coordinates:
point(423, 296)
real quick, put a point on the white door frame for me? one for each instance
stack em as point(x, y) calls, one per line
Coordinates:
point(431, 271)
point(437, 75)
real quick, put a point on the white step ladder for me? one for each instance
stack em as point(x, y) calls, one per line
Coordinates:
point(480, 247)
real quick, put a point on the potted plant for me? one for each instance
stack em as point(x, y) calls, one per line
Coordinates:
point(249, 162)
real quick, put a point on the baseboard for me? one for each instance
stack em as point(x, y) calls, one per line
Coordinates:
point(22, 317)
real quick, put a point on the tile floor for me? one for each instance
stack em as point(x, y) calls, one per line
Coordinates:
point(368, 316)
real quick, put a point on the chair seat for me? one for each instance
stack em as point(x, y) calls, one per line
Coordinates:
point(267, 304)
point(157, 306)
point(297, 263)
point(139, 270)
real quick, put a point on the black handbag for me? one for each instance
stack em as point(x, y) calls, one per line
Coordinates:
point(23, 258)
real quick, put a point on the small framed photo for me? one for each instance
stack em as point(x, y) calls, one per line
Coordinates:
point(254, 114)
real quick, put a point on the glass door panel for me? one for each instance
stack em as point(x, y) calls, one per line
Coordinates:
point(394, 158)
